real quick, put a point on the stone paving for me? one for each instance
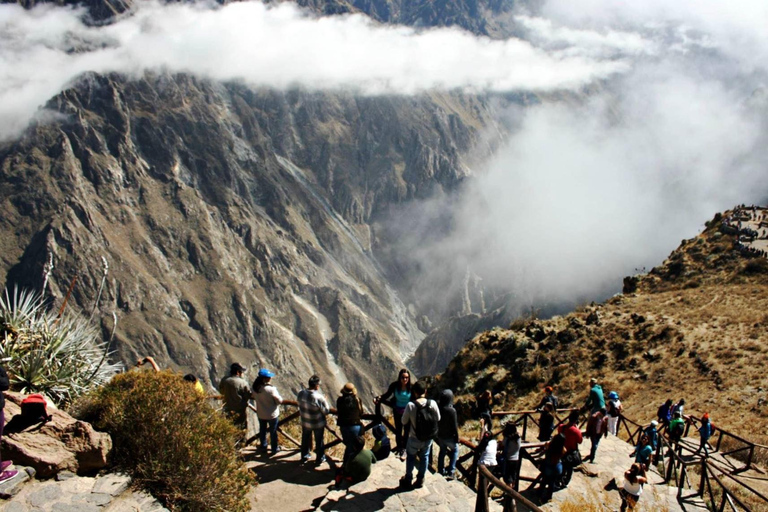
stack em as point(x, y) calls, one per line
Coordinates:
point(71, 493)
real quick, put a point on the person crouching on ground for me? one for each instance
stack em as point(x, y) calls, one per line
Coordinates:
point(349, 418)
point(358, 467)
point(313, 407)
point(447, 435)
point(423, 416)
point(382, 446)
point(268, 402)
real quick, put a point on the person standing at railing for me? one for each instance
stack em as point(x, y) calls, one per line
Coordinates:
point(676, 428)
point(447, 435)
point(634, 479)
point(423, 416)
point(653, 433)
point(552, 467)
point(313, 407)
point(236, 393)
point(614, 409)
point(546, 422)
point(548, 398)
point(484, 411)
point(595, 400)
point(705, 432)
point(400, 394)
point(643, 452)
point(664, 413)
point(268, 402)
point(349, 418)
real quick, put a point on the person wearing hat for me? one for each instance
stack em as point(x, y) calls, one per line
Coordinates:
point(548, 398)
point(614, 409)
point(236, 393)
point(595, 401)
point(653, 433)
point(313, 407)
point(349, 412)
point(705, 431)
point(268, 402)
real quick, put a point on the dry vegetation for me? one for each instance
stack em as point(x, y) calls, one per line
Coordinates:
point(693, 328)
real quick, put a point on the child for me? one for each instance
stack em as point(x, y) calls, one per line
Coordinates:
point(381, 447)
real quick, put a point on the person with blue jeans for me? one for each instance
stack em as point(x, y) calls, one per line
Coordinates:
point(416, 449)
point(268, 402)
point(447, 435)
point(313, 407)
point(349, 414)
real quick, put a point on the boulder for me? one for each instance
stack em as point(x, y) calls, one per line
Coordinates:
point(61, 444)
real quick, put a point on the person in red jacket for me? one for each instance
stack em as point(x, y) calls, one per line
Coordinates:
point(573, 439)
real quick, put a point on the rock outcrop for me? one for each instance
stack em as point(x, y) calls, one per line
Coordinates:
point(61, 444)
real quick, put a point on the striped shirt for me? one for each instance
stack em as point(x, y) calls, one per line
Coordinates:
point(313, 407)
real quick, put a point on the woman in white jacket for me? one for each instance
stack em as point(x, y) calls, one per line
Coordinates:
point(268, 402)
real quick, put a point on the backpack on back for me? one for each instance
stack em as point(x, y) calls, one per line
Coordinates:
point(34, 409)
point(426, 422)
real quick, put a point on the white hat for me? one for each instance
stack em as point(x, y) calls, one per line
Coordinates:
point(654, 423)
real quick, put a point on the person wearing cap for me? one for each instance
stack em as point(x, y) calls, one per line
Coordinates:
point(595, 401)
point(548, 398)
point(349, 410)
point(653, 433)
point(268, 402)
point(313, 407)
point(705, 431)
point(614, 409)
point(236, 393)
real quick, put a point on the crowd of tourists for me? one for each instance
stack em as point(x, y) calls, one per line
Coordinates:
point(419, 421)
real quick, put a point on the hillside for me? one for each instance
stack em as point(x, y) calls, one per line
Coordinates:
point(694, 327)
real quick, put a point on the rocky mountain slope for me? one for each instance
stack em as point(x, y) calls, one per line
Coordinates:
point(693, 328)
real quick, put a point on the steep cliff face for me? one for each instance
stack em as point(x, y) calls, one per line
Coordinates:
point(236, 222)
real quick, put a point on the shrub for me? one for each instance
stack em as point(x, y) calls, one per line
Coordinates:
point(62, 357)
point(169, 438)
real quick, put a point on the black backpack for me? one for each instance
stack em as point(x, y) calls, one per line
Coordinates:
point(426, 422)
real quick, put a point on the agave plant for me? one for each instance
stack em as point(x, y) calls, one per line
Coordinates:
point(60, 356)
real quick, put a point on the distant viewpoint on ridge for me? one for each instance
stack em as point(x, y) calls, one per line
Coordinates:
point(350, 187)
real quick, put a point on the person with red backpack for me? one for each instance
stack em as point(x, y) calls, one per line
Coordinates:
point(5, 384)
point(423, 416)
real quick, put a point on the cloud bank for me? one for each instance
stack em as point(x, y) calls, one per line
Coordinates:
point(44, 49)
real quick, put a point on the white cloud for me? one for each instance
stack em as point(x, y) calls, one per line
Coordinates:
point(43, 49)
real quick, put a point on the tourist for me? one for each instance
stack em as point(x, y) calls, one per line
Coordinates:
point(235, 392)
point(643, 451)
point(357, 468)
point(349, 418)
point(614, 412)
point(196, 383)
point(5, 384)
point(572, 439)
point(679, 406)
point(597, 427)
point(546, 423)
point(423, 416)
point(268, 402)
point(634, 479)
point(400, 391)
point(664, 413)
point(511, 453)
point(676, 428)
point(705, 432)
point(548, 398)
point(551, 467)
point(595, 400)
point(382, 447)
point(653, 434)
point(484, 411)
point(488, 448)
point(447, 435)
point(313, 407)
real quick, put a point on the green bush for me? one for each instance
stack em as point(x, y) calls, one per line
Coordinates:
point(169, 438)
point(62, 357)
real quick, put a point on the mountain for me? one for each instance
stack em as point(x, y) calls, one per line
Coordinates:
point(693, 327)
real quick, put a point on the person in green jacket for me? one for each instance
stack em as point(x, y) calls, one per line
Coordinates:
point(595, 401)
point(358, 466)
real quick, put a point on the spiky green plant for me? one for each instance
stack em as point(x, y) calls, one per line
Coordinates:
point(62, 357)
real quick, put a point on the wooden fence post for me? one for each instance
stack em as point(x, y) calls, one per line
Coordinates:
point(481, 504)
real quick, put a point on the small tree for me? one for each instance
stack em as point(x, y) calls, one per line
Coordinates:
point(61, 356)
